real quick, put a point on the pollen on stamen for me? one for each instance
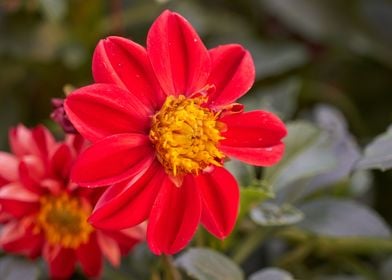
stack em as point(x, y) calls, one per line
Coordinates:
point(63, 220)
point(185, 135)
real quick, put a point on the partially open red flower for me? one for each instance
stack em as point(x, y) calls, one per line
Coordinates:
point(162, 121)
point(45, 214)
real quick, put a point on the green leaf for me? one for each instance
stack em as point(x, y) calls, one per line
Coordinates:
point(13, 268)
point(378, 154)
point(270, 214)
point(307, 154)
point(252, 196)
point(271, 273)
point(206, 264)
point(336, 217)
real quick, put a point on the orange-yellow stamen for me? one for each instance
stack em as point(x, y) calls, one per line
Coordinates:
point(186, 135)
point(63, 220)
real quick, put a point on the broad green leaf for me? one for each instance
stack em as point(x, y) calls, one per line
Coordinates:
point(270, 214)
point(336, 217)
point(307, 154)
point(206, 264)
point(378, 154)
point(343, 147)
point(360, 182)
point(271, 273)
point(252, 196)
point(13, 268)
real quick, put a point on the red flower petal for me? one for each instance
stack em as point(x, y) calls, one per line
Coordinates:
point(18, 201)
point(113, 159)
point(256, 156)
point(122, 62)
point(16, 238)
point(8, 167)
point(100, 110)
point(174, 217)
point(61, 163)
point(233, 73)
point(124, 240)
point(220, 198)
point(254, 129)
point(90, 257)
point(127, 204)
point(110, 248)
point(63, 264)
point(179, 58)
point(31, 171)
point(21, 141)
point(44, 141)
point(253, 137)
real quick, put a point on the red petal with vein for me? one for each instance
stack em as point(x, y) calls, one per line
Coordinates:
point(220, 199)
point(63, 264)
point(61, 162)
point(253, 137)
point(256, 156)
point(8, 167)
point(122, 62)
point(21, 141)
point(179, 58)
point(16, 238)
point(90, 257)
point(112, 160)
point(123, 239)
point(174, 217)
point(127, 204)
point(31, 172)
point(233, 73)
point(110, 248)
point(16, 191)
point(44, 141)
point(100, 110)
point(255, 129)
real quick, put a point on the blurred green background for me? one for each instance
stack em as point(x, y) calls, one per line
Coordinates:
point(306, 52)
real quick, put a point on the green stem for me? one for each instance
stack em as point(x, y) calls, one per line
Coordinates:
point(325, 245)
point(170, 271)
point(253, 240)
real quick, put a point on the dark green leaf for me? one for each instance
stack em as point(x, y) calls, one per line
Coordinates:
point(271, 273)
point(378, 154)
point(13, 268)
point(206, 264)
point(270, 214)
point(335, 217)
point(307, 154)
point(252, 196)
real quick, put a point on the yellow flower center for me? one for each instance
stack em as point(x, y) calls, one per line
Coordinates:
point(64, 221)
point(185, 135)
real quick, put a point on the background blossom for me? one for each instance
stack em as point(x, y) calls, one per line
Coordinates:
point(44, 213)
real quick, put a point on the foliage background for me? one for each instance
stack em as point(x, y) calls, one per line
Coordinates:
point(307, 53)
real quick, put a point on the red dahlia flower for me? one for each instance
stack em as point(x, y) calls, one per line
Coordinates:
point(162, 121)
point(45, 214)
